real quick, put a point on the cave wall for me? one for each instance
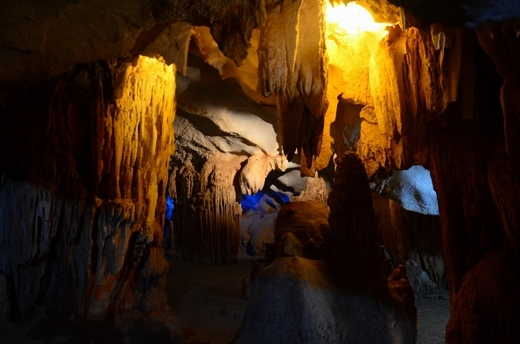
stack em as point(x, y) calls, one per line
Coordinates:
point(82, 191)
point(443, 112)
point(293, 67)
point(39, 40)
point(68, 182)
point(414, 240)
point(206, 223)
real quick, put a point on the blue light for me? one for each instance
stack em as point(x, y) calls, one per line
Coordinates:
point(285, 198)
point(250, 201)
point(272, 198)
point(169, 208)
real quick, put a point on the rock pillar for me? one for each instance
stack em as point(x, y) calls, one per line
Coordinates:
point(83, 171)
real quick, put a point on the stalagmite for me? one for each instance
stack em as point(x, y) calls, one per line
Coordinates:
point(86, 140)
point(341, 298)
point(207, 215)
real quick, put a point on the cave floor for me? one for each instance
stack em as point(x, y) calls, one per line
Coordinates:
point(208, 300)
point(209, 306)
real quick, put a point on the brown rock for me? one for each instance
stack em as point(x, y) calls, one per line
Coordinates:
point(301, 230)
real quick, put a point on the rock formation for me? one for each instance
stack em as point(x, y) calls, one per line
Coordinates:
point(301, 230)
point(342, 298)
point(87, 93)
point(82, 192)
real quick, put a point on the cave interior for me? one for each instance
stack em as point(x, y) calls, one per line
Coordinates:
point(360, 155)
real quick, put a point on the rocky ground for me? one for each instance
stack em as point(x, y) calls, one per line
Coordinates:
point(208, 303)
point(209, 300)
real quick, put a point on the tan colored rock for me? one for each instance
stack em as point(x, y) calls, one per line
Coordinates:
point(315, 190)
point(207, 214)
point(293, 67)
point(255, 171)
point(172, 44)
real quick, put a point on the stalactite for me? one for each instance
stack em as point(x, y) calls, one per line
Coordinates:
point(293, 67)
point(74, 196)
point(422, 88)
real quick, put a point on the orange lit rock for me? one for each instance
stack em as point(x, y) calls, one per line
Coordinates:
point(90, 186)
point(293, 67)
point(247, 75)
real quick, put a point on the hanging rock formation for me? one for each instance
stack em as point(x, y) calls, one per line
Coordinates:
point(226, 147)
point(207, 214)
point(292, 66)
point(42, 40)
point(450, 123)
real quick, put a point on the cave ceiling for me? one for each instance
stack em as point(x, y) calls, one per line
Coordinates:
point(41, 40)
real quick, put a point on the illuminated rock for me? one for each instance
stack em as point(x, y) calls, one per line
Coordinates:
point(207, 215)
point(412, 189)
point(38, 42)
point(254, 173)
point(79, 122)
point(91, 194)
point(293, 67)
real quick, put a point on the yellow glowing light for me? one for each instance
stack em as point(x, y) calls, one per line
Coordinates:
point(354, 19)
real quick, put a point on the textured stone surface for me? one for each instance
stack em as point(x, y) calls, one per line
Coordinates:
point(41, 40)
point(411, 188)
point(460, 137)
point(82, 201)
point(225, 148)
point(316, 189)
point(301, 230)
point(487, 305)
point(293, 67)
point(207, 214)
point(414, 240)
point(293, 301)
point(353, 237)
